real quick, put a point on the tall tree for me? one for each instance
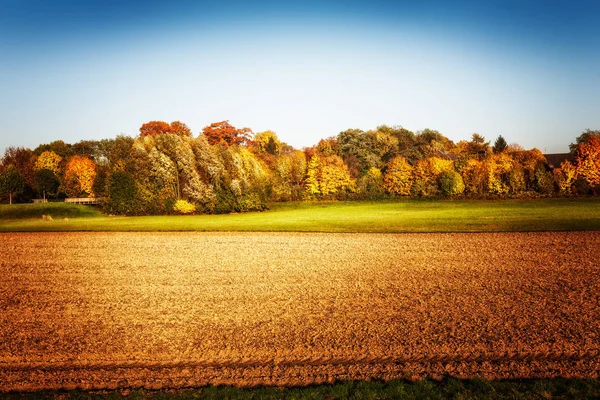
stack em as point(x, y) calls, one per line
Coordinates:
point(11, 182)
point(500, 145)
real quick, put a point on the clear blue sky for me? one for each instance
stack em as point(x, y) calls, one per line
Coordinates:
point(86, 69)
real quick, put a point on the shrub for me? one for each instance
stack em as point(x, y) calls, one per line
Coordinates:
point(451, 183)
point(184, 207)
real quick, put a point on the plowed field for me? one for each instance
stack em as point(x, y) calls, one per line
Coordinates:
point(170, 310)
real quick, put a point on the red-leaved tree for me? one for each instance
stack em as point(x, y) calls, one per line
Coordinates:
point(224, 134)
point(154, 128)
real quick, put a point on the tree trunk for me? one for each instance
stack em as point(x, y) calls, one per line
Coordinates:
point(177, 170)
point(9, 197)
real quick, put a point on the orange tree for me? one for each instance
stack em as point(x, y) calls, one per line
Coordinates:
point(224, 134)
point(80, 173)
point(154, 128)
point(588, 161)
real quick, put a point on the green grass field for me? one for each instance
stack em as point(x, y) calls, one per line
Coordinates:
point(376, 217)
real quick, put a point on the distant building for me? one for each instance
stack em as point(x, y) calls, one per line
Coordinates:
point(554, 160)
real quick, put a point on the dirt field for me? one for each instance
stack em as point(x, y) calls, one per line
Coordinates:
point(158, 310)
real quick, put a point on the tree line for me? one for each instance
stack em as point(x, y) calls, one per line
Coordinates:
point(166, 169)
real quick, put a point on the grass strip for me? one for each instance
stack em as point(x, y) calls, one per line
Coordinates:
point(359, 216)
point(448, 388)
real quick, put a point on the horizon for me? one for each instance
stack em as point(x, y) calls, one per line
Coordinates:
point(77, 71)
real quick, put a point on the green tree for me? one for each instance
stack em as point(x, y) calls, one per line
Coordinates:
point(11, 182)
point(500, 145)
point(58, 146)
point(24, 162)
point(122, 194)
point(46, 182)
point(371, 184)
point(451, 183)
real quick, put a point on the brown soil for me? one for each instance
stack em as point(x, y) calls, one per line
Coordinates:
point(171, 310)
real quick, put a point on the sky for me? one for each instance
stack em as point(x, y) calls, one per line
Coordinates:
point(76, 70)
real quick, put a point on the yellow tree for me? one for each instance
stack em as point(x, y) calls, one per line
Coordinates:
point(268, 142)
point(312, 177)
point(565, 176)
point(49, 160)
point(474, 176)
point(335, 177)
point(588, 160)
point(80, 173)
point(398, 178)
point(498, 167)
point(426, 175)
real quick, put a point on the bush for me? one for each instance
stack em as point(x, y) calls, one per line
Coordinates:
point(184, 207)
point(451, 183)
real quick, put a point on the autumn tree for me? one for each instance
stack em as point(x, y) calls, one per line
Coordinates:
point(398, 178)
point(288, 176)
point(430, 143)
point(268, 142)
point(24, 162)
point(584, 137)
point(371, 184)
point(180, 129)
point(426, 175)
point(588, 160)
point(224, 134)
point(565, 176)
point(179, 150)
point(334, 178)
point(80, 173)
point(474, 177)
point(530, 161)
point(477, 147)
point(86, 148)
point(154, 128)
point(49, 160)
point(498, 167)
point(311, 181)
